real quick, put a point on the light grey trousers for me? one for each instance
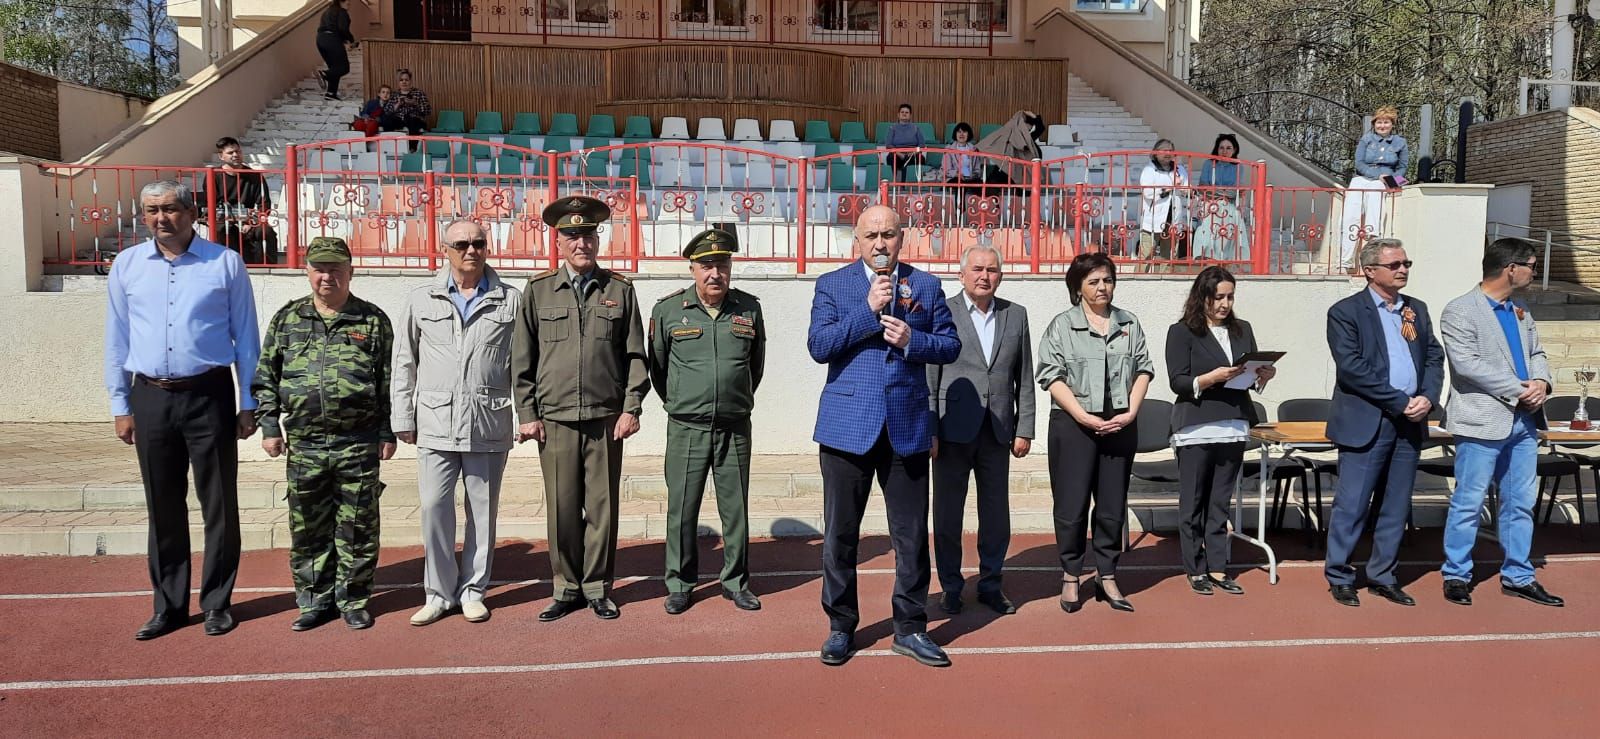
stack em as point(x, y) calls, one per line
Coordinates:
point(437, 474)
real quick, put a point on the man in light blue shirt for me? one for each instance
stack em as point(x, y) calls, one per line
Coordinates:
point(180, 313)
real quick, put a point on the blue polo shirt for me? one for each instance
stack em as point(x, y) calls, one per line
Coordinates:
point(464, 304)
point(1506, 313)
point(1402, 368)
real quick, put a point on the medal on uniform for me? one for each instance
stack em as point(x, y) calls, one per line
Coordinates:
point(1408, 324)
point(609, 303)
point(742, 321)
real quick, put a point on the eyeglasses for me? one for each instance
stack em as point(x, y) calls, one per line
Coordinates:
point(1393, 266)
point(465, 245)
point(1530, 264)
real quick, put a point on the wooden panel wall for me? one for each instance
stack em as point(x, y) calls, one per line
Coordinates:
point(706, 80)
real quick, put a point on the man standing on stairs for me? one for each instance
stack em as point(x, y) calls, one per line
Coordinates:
point(333, 37)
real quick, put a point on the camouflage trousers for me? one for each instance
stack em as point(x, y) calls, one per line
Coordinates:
point(333, 522)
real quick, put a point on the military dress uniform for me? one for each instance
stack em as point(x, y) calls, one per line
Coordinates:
point(578, 362)
point(706, 363)
point(323, 382)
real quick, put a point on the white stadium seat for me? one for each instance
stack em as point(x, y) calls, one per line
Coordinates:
point(674, 127)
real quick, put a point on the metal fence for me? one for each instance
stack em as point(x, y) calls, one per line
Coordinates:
point(792, 204)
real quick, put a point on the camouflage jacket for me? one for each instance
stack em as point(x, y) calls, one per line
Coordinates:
point(325, 377)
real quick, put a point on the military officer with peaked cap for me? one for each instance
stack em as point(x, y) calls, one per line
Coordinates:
point(707, 353)
point(578, 366)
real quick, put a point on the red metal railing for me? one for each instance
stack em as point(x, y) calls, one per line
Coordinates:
point(792, 204)
point(885, 24)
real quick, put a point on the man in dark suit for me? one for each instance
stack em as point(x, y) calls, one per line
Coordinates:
point(877, 323)
point(985, 404)
point(1389, 373)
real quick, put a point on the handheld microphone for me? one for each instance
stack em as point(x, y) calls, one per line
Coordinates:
point(880, 265)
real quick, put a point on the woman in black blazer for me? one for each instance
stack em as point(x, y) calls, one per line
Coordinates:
point(1210, 423)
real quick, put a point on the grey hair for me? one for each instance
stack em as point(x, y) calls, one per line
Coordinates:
point(999, 260)
point(1374, 247)
point(180, 191)
point(468, 221)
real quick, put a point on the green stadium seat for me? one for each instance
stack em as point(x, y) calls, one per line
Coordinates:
point(450, 121)
point(927, 134)
point(817, 133)
point(596, 165)
point(637, 127)
point(602, 125)
point(880, 135)
point(986, 129)
point(563, 124)
point(526, 124)
point(508, 164)
point(513, 139)
point(873, 173)
point(488, 121)
point(485, 150)
point(852, 132)
point(841, 175)
point(825, 149)
point(415, 162)
point(634, 167)
point(934, 159)
point(463, 163)
point(557, 143)
point(596, 142)
point(949, 133)
point(440, 149)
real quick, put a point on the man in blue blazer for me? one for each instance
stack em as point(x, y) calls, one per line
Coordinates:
point(1389, 373)
point(877, 323)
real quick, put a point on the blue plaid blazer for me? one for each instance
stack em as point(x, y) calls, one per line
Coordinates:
point(870, 383)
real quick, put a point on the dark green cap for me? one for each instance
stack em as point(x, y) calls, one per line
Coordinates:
point(576, 213)
point(711, 243)
point(330, 249)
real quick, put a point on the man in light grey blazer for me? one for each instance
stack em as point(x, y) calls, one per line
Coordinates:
point(1499, 379)
point(984, 402)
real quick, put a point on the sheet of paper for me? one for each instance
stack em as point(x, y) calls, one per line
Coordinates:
point(1247, 377)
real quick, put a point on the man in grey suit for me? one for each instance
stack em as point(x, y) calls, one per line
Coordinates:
point(1499, 379)
point(984, 401)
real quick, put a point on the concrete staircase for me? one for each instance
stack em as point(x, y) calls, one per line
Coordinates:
point(1569, 329)
point(302, 116)
point(1101, 123)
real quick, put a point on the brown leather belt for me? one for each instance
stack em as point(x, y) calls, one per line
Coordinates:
point(183, 383)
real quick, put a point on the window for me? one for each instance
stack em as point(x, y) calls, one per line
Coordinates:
point(720, 13)
point(1112, 6)
point(578, 11)
point(847, 15)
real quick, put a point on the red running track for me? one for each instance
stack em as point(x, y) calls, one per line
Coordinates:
point(1280, 659)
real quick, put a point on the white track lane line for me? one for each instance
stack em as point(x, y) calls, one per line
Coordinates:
point(1553, 560)
point(717, 659)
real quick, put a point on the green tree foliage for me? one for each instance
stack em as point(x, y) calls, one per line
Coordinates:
point(126, 45)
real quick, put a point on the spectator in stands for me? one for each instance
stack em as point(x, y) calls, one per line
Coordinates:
point(904, 135)
point(1162, 197)
point(962, 168)
point(243, 204)
point(407, 108)
point(1017, 139)
point(1222, 231)
point(371, 117)
point(1381, 161)
point(333, 37)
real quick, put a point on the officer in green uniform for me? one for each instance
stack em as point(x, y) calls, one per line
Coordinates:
point(708, 348)
point(323, 381)
point(578, 367)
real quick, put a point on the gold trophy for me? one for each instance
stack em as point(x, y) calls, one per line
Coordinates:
point(1583, 376)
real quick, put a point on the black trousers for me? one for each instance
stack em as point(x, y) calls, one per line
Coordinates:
point(1086, 466)
point(846, 483)
point(1206, 475)
point(990, 462)
point(174, 429)
point(334, 55)
point(256, 244)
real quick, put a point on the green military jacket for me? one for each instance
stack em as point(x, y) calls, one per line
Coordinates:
point(578, 359)
point(325, 377)
point(707, 369)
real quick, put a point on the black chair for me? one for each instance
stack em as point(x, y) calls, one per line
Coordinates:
point(1284, 475)
point(1154, 429)
point(1311, 409)
point(1445, 467)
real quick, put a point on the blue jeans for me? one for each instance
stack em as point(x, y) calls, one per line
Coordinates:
point(1509, 463)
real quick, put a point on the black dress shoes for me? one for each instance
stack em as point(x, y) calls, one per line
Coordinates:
point(160, 624)
point(309, 620)
point(1458, 592)
point(358, 619)
point(920, 648)
point(604, 608)
point(1227, 585)
point(559, 608)
point(1393, 594)
point(1201, 585)
point(1532, 591)
point(744, 600)
point(998, 602)
point(836, 650)
point(677, 603)
point(219, 622)
point(1117, 604)
point(1345, 595)
point(950, 602)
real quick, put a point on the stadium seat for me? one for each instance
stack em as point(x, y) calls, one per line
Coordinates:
point(440, 148)
point(638, 168)
point(747, 129)
point(674, 127)
point(841, 175)
point(463, 163)
point(949, 133)
point(484, 150)
point(874, 170)
point(710, 129)
point(557, 143)
point(852, 132)
point(986, 129)
point(602, 125)
point(488, 121)
point(637, 127)
point(781, 130)
point(521, 140)
point(525, 124)
point(596, 165)
point(817, 132)
point(790, 149)
point(508, 164)
point(563, 124)
point(1060, 135)
point(880, 135)
point(414, 162)
point(927, 134)
point(450, 121)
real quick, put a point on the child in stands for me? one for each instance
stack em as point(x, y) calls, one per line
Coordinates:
point(372, 112)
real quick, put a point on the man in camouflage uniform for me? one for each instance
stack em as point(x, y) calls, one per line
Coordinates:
point(323, 380)
point(707, 352)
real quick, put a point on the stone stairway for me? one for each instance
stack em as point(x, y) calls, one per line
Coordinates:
point(301, 116)
point(1101, 123)
point(1569, 329)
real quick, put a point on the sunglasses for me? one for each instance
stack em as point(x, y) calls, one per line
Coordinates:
point(1393, 266)
point(465, 245)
